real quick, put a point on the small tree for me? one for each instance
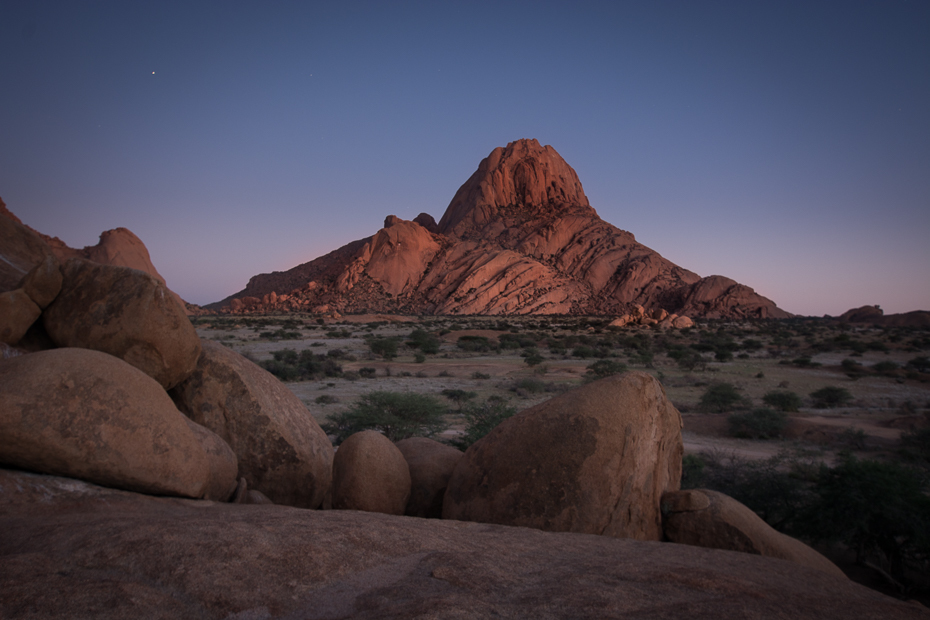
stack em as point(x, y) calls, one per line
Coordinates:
point(396, 414)
point(481, 419)
point(385, 347)
point(720, 398)
point(762, 423)
point(830, 397)
point(459, 397)
point(783, 400)
point(605, 368)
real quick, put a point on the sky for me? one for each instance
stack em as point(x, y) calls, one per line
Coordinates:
point(783, 144)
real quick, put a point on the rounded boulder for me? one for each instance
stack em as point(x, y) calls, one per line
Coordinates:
point(85, 414)
point(281, 449)
point(126, 313)
point(370, 474)
point(431, 464)
point(594, 460)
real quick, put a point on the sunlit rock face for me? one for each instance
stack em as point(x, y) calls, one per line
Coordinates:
point(519, 237)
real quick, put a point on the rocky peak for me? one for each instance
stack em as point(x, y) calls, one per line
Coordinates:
point(525, 175)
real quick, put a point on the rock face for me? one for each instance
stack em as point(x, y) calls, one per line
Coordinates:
point(594, 460)
point(21, 249)
point(88, 415)
point(876, 316)
point(370, 474)
point(17, 314)
point(74, 550)
point(431, 464)
point(126, 313)
point(519, 237)
point(282, 451)
point(710, 519)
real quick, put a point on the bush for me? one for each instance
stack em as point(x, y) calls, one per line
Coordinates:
point(605, 368)
point(326, 399)
point(720, 398)
point(481, 419)
point(532, 357)
point(533, 386)
point(424, 341)
point(830, 397)
point(458, 396)
point(762, 423)
point(475, 344)
point(920, 364)
point(288, 365)
point(385, 347)
point(396, 414)
point(782, 400)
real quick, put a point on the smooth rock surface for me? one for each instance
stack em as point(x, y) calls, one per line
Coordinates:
point(21, 249)
point(88, 415)
point(71, 550)
point(594, 460)
point(431, 464)
point(126, 313)
point(281, 449)
point(370, 474)
point(711, 519)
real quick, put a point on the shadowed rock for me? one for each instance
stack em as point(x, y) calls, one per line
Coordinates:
point(711, 519)
point(431, 464)
point(73, 550)
point(88, 415)
point(370, 474)
point(594, 460)
point(281, 449)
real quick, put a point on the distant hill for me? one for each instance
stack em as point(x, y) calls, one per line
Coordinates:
point(519, 237)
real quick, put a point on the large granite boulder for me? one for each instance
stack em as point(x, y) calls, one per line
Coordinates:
point(72, 550)
point(21, 249)
point(431, 464)
point(126, 313)
point(281, 449)
point(594, 460)
point(88, 415)
point(711, 519)
point(43, 282)
point(17, 314)
point(370, 474)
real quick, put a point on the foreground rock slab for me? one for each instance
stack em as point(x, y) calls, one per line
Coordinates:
point(74, 550)
point(594, 460)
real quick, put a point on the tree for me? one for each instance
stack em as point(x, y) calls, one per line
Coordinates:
point(761, 423)
point(481, 419)
point(605, 368)
point(830, 397)
point(396, 414)
point(783, 400)
point(720, 398)
point(385, 347)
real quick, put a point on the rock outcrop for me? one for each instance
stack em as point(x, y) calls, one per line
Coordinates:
point(75, 550)
point(711, 519)
point(594, 460)
point(874, 315)
point(370, 474)
point(282, 451)
point(431, 465)
point(88, 415)
point(126, 313)
point(519, 237)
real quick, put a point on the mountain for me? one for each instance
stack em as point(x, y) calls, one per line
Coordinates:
point(519, 237)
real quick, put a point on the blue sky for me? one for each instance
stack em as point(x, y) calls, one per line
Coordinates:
point(782, 144)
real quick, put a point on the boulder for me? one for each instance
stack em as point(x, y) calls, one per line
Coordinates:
point(21, 249)
point(281, 449)
point(370, 474)
point(126, 313)
point(711, 519)
point(17, 314)
point(78, 551)
point(594, 460)
point(43, 282)
point(431, 464)
point(88, 415)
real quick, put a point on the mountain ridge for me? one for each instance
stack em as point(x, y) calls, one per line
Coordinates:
point(518, 237)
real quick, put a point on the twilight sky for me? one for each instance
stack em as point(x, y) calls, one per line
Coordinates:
point(783, 144)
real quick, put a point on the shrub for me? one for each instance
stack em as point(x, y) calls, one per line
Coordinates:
point(396, 414)
point(920, 364)
point(886, 366)
point(720, 398)
point(605, 368)
point(532, 357)
point(830, 397)
point(385, 347)
point(531, 385)
point(762, 423)
point(458, 396)
point(481, 419)
point(480, 376)
point(782, 400)
point(424, 341)
point(476, 344)
point(326, 399)
point(288, 365)
point(367, 372)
